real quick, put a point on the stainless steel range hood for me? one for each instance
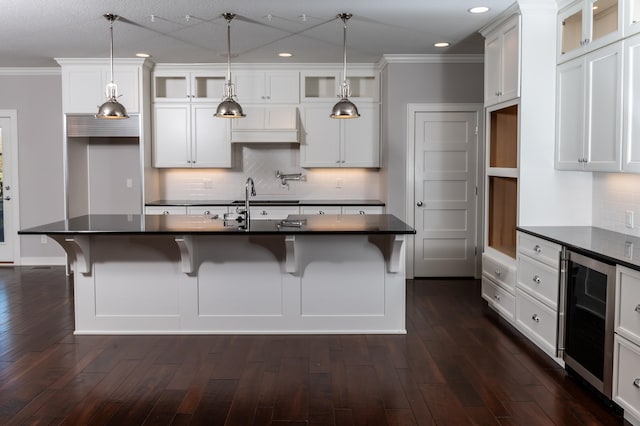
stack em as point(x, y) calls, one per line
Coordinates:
point(86, 125)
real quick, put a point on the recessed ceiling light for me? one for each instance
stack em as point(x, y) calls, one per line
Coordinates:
point(479, 9)
point(143, 55)
point(285, 54)
point(441, 44)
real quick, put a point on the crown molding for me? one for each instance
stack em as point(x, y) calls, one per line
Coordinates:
point(431, 59)
point(35, 71)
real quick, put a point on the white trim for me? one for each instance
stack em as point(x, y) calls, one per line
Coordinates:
point(19, 72)
point(430, 59)
point(412, 110)
point(12, 115)
point(500, 19)
point(43, 261)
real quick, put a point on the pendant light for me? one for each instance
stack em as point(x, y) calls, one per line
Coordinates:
point(229, 107)
point(111, 109)
point(345, 108)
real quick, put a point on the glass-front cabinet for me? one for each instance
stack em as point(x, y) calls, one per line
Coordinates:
point(632, 17)
point(586, 25)
point(169, 86)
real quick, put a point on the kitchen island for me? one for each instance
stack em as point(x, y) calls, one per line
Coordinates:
point(179, 274)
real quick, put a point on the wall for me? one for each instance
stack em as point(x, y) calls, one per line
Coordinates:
point(37, 96)
point(404, 83)
point(260, 162)
point(613, 195)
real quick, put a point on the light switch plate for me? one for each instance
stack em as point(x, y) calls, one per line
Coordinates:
point(628, 219)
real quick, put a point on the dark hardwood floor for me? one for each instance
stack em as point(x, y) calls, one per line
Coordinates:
point(458, 364)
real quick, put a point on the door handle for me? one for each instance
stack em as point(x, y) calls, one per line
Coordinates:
point(419, 204)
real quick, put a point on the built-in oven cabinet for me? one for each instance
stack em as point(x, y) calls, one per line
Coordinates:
point(626, 357)
point(537, 290)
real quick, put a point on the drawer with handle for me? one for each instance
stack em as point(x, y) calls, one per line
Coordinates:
point(539, 249)
point(539, 279)
point(499, 271)
point(626, 375)
point(499, 299)
point(537, 321)
point(627, 311)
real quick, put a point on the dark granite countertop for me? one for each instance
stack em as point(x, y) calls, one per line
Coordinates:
point(201, 224)
point(612, 247)
point(266, 202)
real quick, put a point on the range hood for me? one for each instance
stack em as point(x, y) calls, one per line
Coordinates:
point(86, 125)
point(266, 124)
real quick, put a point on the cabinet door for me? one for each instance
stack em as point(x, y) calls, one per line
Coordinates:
point(492, 65)
point(570, 106)
point(571, 29)
point(320, 210)
point(604, 106)
point(127, 78)
point(250, 86)
point(632, 105)
point(83, 89)
point(632, 17)
point(361, 138)
point(280, 117)
point(210, 139)
point(282, 87)
point(207, 86)
point(362, 210)
point(171, 87)
point(510, 70)
point(171, 139)
point(320, 137)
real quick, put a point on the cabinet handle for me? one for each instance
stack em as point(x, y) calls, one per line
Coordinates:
point(362, 212)
point(264, 213)
point(207, 212)
point(636, 383)
point(165, 212)
point(587, 41)
point(638, 309)
point(537, 248)
point(498, 272)
point(536, 279)
point(320, 212)
point(497, 297)
point(337, 161)
point(268, 97)
point(535, 317)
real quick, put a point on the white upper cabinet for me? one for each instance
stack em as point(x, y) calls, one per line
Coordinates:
point(631, 136)
point(259, 87)
point(189, 136)
point(324, 86)
point(329, 142)
point(586, 25)
point(632, 17)
point(187, 86)
point(589, 112)
point(502, 64)
point(84, 85)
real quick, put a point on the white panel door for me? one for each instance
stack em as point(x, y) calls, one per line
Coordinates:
point(211, 141)
point(445, 212)
point(570, 115)
point(172, 135)
point(320, 137)
point(8, 194)
point(361, 138)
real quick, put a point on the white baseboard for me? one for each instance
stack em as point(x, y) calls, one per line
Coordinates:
point(43, 261)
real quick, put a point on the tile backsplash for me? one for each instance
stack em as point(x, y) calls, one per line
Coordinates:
point(613, 195)
point(261, 162)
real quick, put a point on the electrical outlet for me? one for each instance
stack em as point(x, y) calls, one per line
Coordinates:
point(628, 249)
point(43, 239)
point(129, 183)
point(338, 183)
point(628, 219)
point(207, 183)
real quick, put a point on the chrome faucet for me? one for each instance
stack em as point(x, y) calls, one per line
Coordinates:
point(249, 187)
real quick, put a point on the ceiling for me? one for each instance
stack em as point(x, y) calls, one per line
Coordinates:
point(33, 32)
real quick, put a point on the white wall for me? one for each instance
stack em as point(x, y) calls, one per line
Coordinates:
point(37, 96)
point(405, 83)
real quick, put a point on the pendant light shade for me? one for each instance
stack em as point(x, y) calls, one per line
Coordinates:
point(111, 109)
point(344, 108)
point(229, 107)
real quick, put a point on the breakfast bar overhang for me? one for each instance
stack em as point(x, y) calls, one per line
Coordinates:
point(137, 274)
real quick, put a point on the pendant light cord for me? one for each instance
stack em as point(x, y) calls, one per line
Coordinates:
point(229, 50)
point(111, 19)
point(344, 48)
